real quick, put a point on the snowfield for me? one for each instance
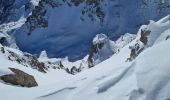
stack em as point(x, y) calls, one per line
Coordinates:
point(144, 78)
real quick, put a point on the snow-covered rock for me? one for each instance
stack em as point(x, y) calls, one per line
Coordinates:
point(43, 55)
point(35, 2)
point(125, 39)
point(7, 28)
point(103, 48)
point(74, 67)
point(100, 50)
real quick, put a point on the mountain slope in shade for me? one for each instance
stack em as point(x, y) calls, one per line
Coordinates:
point(145, 77)
point(79, 21)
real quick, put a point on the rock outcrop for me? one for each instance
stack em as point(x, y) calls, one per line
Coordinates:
point(100, 50)
point(139, 45)
point(19, 78)
point(102, 47)
point(37, 19)
point(3, 39)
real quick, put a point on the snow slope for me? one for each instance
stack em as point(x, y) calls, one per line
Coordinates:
point(144, 78)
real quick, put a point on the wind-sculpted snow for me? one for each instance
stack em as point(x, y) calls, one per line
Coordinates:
point(156, 70)
point(61, 90)
point(112, 80)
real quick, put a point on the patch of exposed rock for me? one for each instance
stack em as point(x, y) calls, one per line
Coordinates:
point(140, 45)
point(39, 19)
point(19, 78)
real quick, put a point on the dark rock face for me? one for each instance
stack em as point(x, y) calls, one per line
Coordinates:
point(94, 49)
point(144, 38)
point(167, 37)
point(40, 65)
point(37, 19)
point(135, 51)
point(19, 78)
point(5, 9)
point(3, 41)
point(92, 9)
point(137, 48)
point(10, 10)
point(2, 50)
point(73, 70)
point(27, 59)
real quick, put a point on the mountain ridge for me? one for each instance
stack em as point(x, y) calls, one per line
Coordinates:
point(120, 17)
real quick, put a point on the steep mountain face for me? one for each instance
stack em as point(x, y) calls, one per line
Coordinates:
point(138, 69)
point(13, 10)
point(78, 21)
point(5, 7)
point(13, 16)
